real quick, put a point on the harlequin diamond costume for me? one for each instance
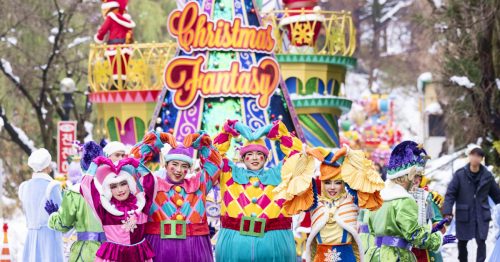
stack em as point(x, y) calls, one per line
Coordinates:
point(118, 26)
point(76, 213)
point(123, 222)
point(395, 225)
point(177, 226)
point(254, 224)
point(334, 229)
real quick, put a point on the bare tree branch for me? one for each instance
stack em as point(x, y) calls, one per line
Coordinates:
point(14, 135)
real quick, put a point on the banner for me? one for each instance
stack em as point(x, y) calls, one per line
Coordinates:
point(66, 135)
point(188, 76)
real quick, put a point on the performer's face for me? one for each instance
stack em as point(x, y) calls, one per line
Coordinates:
point(416, 181)
point(120, 190)
point(117, 156)
point(334, 187)
point(254, 160)
point(177, 170)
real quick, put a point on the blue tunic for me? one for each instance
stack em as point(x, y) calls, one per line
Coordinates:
point(42, 243)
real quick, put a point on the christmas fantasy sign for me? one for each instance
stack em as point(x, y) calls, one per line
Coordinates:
point(224, 68)
point(187, 76)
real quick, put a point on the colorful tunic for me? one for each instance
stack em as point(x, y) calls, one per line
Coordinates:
point(334, 227)
point(396, 228)
point(42, 243)
point(75, 213)
point(252, 219)
point(183, 207)
point(123, 242)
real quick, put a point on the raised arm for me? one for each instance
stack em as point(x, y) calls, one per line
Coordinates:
point(222, 141)
point(289, 143)
point(64, 219)
point(210, 158)
point(149, 149)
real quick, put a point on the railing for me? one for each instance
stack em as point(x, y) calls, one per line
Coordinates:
point(128, 67)
point(141, 66)
point(313, 32)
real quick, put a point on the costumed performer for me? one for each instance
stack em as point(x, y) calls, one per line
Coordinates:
point(112, 193)
point(118, 24)
point(76, 213)
point(254, 224)
point(42, 243)
point(346, 186)
point(177, 226)
point(395, 225)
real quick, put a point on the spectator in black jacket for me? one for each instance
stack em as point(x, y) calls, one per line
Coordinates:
point(469, 189)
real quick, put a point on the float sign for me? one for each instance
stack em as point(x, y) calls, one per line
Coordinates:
point(196, 34)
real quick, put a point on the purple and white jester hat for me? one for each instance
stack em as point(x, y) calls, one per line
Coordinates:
point(406, 157)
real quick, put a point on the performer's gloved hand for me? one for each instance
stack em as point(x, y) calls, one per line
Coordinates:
point(448, 239)
point(229, 127)
point(50, 207)
point(449, 217)
point(197, 140)
point(437, 198)
point(168, 138)
point(440, 225)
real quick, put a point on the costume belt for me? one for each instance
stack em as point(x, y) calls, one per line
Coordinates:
point(392, 242)
point(182, 229)
point(363, 229)
point(91, 236)
point(116, 41)
point(254, 226)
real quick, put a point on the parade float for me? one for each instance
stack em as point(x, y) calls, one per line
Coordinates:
point(302, 52)
point(370, 126)
point(231, 59)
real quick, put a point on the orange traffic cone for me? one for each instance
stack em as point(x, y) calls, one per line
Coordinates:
point(5, 256)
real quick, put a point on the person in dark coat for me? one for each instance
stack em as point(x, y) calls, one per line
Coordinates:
point(469, 189)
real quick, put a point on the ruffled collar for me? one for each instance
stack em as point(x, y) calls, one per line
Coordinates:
point(126, 205)
point(271, 176)
point(190, 185)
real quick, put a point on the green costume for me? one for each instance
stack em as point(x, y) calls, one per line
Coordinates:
point(397, 220)
point(364, 233)
point(75, 213)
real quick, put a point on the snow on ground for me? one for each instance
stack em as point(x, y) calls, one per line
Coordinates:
point(17, 234)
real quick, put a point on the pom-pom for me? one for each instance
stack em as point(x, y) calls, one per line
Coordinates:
point(91, 150)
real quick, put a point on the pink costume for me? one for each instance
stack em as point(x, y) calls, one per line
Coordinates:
point(123, 222)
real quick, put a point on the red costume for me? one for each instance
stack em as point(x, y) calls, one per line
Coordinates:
point(119, 26)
